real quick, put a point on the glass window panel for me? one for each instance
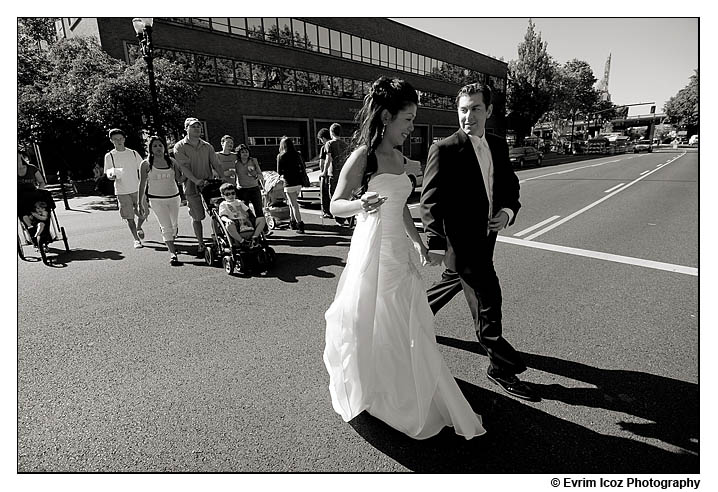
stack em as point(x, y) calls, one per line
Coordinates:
point(254, 28)
point(302, 81)
point(285, 31)
point(384, 55)
point(271, 31)
point(400, 59)
point(346, 46)
point(356, 48)
point(315, 83)
point(365, 51)
point(220, 24)
point(225, 71)
point(288, 83)
point(238, 25)
point(336, 86)
point(205, 68)
point(392, 57)
point(243, 73)
point(375, 53)
point(334, 39)
point(201, 22)
point(415, 63)
point(348, 87)
point(407, 61)
point(300, 37)
point(312, 37)
point(259, 75)
point(422, 61)
point(323, 39)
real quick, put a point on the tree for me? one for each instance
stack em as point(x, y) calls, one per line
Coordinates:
point(575, 93)
point(682, 109)
point(77, 92)
point(530, 83)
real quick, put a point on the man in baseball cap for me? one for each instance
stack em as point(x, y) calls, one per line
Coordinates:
point(198, 162)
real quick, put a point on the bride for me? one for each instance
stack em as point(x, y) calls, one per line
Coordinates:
point(381, 351)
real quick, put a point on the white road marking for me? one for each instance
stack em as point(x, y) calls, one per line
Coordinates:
point(590, 206)
point(536, 226)
point(569, 170)
point(629, 260)
point(644, 172)
point(611, 189)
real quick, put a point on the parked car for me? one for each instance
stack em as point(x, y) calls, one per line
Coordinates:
point(643, 145)
point(416, 175)
point(523, 156)
point(693, 140)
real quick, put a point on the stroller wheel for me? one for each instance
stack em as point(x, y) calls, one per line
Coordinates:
point(228, 263)
point(20, 252)
point(208, 255)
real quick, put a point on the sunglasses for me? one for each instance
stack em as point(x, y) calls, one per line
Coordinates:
point(230, 193)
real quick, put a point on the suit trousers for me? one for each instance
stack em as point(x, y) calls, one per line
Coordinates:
point(324, 194)
point(485, 305)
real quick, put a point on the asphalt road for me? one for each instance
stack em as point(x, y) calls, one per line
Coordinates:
point(128, 364)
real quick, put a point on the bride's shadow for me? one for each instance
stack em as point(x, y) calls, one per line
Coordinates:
point(521, 438)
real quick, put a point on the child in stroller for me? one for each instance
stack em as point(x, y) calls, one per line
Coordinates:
point(237, 237)
point(235, 216)
point(276, 209)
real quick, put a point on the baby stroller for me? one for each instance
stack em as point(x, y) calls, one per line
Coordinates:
point(276, 210)
point(247, 257)
point(53, 231)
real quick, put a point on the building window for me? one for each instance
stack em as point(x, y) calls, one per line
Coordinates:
point(323, 40)
point(238, 25)
point(271, 32)
point(201, 22)
point(302, 81)
point(400, 59)
point(300, 36)
point(422, 61)
point(316, 85)
point(356, 48)
point(225, 71)
point(392, 57)
point(346, 46)
point(348, 88)
point(205, 68)
point(415, 63)
point(288, 83)
point(384, 55)
point(284, 31)
point(243, 73)
point(335, 45)
point(365, 50)
point(375, 53)
point(254, 28)
point(220, 24)
point(312, 36)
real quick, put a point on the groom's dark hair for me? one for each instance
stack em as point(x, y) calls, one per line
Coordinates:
point(475, 88)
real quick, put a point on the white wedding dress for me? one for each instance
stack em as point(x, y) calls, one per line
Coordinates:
point(381, 350)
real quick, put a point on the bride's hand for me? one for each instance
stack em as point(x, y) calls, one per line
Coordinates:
point(373, 206)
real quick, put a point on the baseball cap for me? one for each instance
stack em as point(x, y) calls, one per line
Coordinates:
point(190, 121)
point(116, 131)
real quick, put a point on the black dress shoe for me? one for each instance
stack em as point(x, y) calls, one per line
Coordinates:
point(513, 386)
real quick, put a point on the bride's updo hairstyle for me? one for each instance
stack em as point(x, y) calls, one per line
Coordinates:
point(390, 94)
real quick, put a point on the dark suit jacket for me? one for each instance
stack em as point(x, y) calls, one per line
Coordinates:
point(454, 204)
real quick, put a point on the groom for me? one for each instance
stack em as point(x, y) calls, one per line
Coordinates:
point(470, 193)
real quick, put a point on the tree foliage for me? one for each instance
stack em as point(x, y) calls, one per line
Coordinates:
point(682, 109)
point(575, 92)
point(72, 92)
point(530, 83)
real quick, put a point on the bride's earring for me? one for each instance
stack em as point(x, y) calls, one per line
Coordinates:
point(383, 129)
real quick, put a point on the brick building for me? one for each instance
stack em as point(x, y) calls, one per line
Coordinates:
point(264, 78)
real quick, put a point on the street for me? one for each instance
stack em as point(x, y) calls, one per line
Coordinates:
point(126, 364)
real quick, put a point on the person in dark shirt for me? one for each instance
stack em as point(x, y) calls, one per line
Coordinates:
point(291, 167)
point(336, 150)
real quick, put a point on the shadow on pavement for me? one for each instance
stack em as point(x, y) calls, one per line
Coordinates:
point(288, 267)
point(520, 439)
point(671, 406)
point(60, 258)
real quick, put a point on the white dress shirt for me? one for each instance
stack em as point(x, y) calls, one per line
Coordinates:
point(483, 154)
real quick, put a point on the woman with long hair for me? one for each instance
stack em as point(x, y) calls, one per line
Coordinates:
point(291, 167)
point(158, 182)
point(249, 180)
point(381, 351)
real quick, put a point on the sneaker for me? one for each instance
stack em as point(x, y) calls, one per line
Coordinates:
point(138, 244)
point(174, 261)
point(140, 233)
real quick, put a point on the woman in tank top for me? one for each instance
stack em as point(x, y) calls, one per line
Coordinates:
point(158, 182)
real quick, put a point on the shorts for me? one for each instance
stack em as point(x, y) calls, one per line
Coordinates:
point(195, 207)
point(129, 206)
point(292, 189)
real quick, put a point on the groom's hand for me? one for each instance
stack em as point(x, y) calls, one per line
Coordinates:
point(499, 221)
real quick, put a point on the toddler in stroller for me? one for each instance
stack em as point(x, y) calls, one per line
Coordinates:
point(276, 209)
point(236, 234)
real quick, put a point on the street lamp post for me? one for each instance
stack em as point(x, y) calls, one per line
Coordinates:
point(143, 28)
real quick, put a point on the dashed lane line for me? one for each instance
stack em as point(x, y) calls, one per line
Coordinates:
point(601, 200)
point(536, 226)
point(615, 187)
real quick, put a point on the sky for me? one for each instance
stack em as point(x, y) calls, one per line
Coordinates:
point(651, 58)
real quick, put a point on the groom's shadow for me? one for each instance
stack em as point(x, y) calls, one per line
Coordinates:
point(523, 439)
point(670, 405)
